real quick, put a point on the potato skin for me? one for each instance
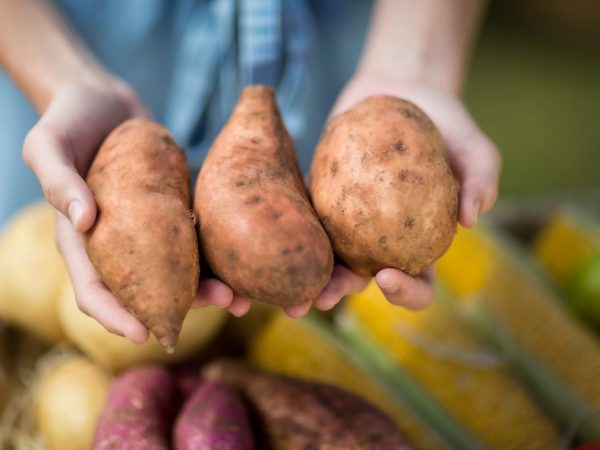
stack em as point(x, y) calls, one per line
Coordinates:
point(144, 243)
point(214, 417)
point(382, 187)
point(298, 414)
point(258, 231)
point(139, 411)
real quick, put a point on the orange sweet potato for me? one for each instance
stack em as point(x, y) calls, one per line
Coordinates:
point(382, 187)
point(143, 243)
point(258, 231)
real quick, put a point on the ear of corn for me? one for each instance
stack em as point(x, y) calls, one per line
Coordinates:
point(568, 248)
point(558, 399)
point(509, 287)
point(566, 243)
point(303, 349)
point(466, 378)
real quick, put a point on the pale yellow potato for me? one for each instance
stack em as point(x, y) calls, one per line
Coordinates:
point(31, 272)
point(68, 400)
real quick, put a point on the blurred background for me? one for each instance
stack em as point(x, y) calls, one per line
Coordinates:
point(518, 305)
point(534, 87)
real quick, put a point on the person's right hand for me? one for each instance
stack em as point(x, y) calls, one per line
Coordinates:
point(59, 149)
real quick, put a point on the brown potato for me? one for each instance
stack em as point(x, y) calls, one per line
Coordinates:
point(380, 184)
point(298, 414)
point(143, 243)
point(258, 231)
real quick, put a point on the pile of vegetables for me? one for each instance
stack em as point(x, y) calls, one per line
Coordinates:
point(235, 408)
point(499, 361)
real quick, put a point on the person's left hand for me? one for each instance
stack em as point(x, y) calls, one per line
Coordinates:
point(472, 156)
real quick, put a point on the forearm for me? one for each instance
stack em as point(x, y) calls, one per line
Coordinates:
point(426, 40)
point(40, 52)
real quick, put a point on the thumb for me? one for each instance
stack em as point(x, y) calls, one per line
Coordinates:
point(47, 152)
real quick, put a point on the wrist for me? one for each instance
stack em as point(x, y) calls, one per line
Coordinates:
point(68, 77)
point(397, 84)
point(418, 72)
point(428, 41)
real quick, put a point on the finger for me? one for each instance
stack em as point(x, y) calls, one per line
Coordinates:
point(239, 306)
point(133, 102)
point(477, 164)
point(213, 292)
point(46, 151)
point(93, 298)
point(298, 311)
point(403, 290)
point(343, 282)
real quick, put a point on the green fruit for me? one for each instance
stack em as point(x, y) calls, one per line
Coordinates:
point(583, 291)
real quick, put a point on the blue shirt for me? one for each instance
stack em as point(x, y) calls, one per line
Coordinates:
point(188, 61)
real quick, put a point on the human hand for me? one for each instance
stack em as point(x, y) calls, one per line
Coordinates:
point(59, 149)
point(472, 156)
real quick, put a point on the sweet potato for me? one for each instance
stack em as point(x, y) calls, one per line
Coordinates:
point(143, 243)
point(258, 231)
point(213, 418)
point(139, 411)
point(380, 184)
point(299, 414)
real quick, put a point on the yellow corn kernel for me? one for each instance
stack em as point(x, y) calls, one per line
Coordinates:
point(291, 347)
point(469, 381)
point(528, 309)
point(565, 243)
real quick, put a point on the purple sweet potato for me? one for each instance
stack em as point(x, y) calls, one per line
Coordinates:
point(298, 414)
point(143, 243)
point(213, 418)
point(139, 412)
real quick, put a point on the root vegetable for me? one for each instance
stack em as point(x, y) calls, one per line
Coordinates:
point(214, 418)
point(139, 411)
point(259, 232)
point(382, 188)
point(143, 243)
point(294, 413)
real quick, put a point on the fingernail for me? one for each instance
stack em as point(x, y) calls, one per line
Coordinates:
point(388, 290)
point(132, 337)
point(329, 303)
point(386, 283)
point(330, 295)
point(222, 302)
point(238, 311)
point(75, 212)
